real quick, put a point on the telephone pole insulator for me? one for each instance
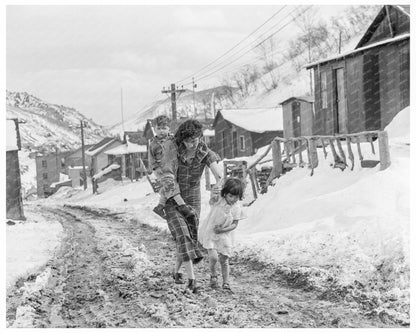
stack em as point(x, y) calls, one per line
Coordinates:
point(173, 91)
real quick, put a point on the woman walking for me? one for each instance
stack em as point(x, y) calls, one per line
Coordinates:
point(193, 156)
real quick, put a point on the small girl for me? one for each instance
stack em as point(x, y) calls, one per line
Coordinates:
point(216, 231)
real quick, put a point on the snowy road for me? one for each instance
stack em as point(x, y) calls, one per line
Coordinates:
point(114, 271)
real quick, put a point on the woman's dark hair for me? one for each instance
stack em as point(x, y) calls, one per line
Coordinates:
point(189, 129)
point(233, 186)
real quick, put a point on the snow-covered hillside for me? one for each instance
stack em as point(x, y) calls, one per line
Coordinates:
point(49, 126)
point(205, 101)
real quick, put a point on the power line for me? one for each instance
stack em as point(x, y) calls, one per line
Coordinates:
point(227, 64)
point(256, 43)
point(239, 43)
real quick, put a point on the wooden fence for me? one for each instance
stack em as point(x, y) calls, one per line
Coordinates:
point(302, 151)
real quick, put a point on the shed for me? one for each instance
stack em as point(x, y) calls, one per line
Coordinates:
point(298, 114)
point(14, 202)
point(99, 160)
point(240, 132)
point(363, 89)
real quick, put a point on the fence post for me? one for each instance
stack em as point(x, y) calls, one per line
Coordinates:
point(277, 158)
point(383, 146)
point(314, 153)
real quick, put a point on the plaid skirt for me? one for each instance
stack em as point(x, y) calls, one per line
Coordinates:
point(184, 233)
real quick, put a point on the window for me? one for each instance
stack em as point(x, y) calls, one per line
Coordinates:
point(45, 175)
point(324, 92)
point(44, 164)
point(242, 142)
point(45, 188)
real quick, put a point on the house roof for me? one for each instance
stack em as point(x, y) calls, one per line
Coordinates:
point(258, 120)
point(352, 52)
point(377, 21)
point(304, 98)
point(127, 148)
point(98, 147)
point(361, 45)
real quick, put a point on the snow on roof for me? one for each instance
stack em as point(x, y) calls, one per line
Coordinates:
point(11, 135)
point(305, 98)
point(348, 53)
point(209, 132)
point(257, 120)
point(105, 171)
point(99, 146)
point(127, 148)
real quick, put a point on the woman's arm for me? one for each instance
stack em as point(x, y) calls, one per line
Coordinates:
point(219, 230)
point(216, 171)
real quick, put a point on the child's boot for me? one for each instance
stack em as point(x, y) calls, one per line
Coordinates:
point(160, 210)
point(192, 287)
point(213, 282)
point(178, 278)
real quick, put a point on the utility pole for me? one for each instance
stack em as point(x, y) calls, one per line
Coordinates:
point(84, 174)
point(193, 94)
point(173, 91)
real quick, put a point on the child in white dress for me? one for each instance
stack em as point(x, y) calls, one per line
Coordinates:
point(216, 231)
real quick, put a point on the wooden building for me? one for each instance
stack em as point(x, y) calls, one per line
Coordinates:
point(99, 159)
point(131, 155)
point(240, 132)
point(14, 202)
point(74, 158)
point(365, 88)
point(49, 167)
point(298, 115)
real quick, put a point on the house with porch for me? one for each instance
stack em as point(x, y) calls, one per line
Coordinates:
point(131, 155)
point(240, 132)
point(99, 159)
point(363, 89)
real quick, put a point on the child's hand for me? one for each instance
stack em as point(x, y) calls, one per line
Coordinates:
point(217, 229)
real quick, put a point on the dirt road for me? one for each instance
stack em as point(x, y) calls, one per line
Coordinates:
point(114, 271)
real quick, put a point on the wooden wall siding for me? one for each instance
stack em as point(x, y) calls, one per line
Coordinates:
point(14, 205)
point(222, 148)
point(248, 142)
point(287, 120)
point(263, 139)
point(354, 92)
point(306, 119)
point(318, 120)
point(371, 87)
point(401, 21)
point(389, 84)
point(404, 77)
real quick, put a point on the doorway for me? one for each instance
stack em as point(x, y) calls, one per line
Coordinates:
point(340, 105)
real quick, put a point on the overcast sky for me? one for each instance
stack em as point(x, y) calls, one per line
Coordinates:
point(81, 56)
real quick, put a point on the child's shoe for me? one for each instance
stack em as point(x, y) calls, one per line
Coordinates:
point(178, 278)
point(192, 287)
point(160, 210)
point(213, 282)
point(226, 287)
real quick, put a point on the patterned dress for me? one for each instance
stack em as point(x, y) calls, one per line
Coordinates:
point(189, 178)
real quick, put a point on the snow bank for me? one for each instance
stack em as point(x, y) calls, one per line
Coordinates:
point(30, 244)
